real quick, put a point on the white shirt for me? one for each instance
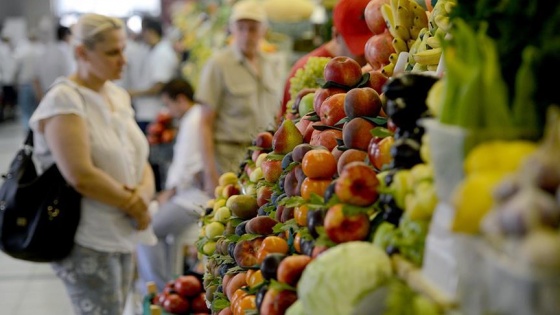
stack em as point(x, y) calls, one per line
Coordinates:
point(27, 57)
point(135, 53)
point(118, 147)
point(7, 65)
point(187, 164)
point(56, 61)
point(160, 65)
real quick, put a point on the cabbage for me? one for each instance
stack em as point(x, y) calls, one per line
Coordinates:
point(296, 309)
point(338, 279)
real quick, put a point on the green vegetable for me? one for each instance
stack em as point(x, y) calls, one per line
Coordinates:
point(338, 279)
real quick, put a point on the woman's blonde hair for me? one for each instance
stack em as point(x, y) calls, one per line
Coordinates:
point(90, 28)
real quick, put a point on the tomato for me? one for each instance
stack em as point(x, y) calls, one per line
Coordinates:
point(319, 163)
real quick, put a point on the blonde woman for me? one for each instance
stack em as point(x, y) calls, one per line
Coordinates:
point(85, 125)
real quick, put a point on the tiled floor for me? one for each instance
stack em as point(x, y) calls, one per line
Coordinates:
point(28, 288)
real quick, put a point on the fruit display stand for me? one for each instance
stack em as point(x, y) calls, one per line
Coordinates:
point(386, 191)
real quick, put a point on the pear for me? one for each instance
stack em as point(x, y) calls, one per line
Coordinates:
point(286, 138)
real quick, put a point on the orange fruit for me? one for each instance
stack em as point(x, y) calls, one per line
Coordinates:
point(319, 164)
point(300, 215)
point(255, 279)
point(317, 186)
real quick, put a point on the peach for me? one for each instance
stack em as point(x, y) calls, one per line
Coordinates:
point(263, 195)
point(332, 109)
point(341, 227)
point(302, 124)
point(276, 302)
point(299, 151)
point(357, 184)
point(264, 140)
point(291, 268)
point(377, 80)
point(362, 102)
point(326, 138)
point(336, 152)
point(236, 282)
point(357, 133)
point(245, 252)
point(350, 155)
point(321, 95)
point(272, 169)
point(262, 225)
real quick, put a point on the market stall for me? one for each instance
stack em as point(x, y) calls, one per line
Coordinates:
point(426, 185)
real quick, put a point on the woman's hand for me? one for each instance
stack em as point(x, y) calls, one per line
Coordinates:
point(137, 208)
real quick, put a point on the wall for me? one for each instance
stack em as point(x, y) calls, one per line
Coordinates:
point(31, 10)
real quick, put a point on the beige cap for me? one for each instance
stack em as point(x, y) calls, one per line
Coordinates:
point(248, 10)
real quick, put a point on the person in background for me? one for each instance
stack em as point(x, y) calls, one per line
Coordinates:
point(27, 56)
point(160, 65)
point(8, 71)
point(56, 61)
point(349, 36)
point(85, 125)
point(183, 196)
point(240, 91)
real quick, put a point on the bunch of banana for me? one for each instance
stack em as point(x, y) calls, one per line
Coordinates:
point(425, 52)
point(404, 19)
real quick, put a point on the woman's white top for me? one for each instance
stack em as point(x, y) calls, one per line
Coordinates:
point(118, 147)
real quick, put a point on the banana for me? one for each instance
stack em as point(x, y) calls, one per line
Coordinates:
point(414, 31)
point(412, 50)
point(389, 18)
point(399, 44)
point(443, 22)
point(432, 67)
point(433, 42)
point(387, 70)
point(448, 7)
point(402, 32)
point(404, 16)
point(394, 6)
point(420, 16)
point(409, 43)
point(393, 58)
point(428, 57)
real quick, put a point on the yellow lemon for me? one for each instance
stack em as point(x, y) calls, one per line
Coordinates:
point(498, 155)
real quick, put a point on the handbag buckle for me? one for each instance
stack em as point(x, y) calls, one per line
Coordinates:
point(52, 212)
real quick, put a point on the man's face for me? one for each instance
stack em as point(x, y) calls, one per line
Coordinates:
point(247, 35)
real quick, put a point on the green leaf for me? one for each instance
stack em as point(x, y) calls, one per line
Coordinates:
point(323, 239)
point(220, 303)
point(316, 199)
point(290, 167)
point(293, 201)
point(278, 228)
point(381, 132)
point(333, 201)
point(279, 286)
point(233, 238)
point(313, 117)
point(254, 148)
point(235, 270)
point(364, 82)
point(342, 148)
point(354, 210)
point(378, 121)
point(325, 127)
point(343, 121)
point(274, 157)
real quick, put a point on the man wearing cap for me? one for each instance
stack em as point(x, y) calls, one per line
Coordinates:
point(349, 36)
point(240, 88)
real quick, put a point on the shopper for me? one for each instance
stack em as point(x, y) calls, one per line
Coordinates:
point(27, 56)
point(56, 61)
point(240, 90)
point(182, 199)
point(8, 99)
point(160, 65)
point(349, 36)
point(86, 126)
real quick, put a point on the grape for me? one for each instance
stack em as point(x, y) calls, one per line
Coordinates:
point(307, 76)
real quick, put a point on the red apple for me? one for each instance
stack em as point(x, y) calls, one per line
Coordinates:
point(272, 169)
point(321, 95)
point(176, 304)
point(379, 152)
point(164, 118)
point(264, 140)
point(332, 109)
point(188, 286)
point(377, 80)
point(343, 70)
point(155, 128)
point(341, 227)
point(362, 102)
point(374, 18)
point(198, 304)
point(326, 138)
point(290, 269)
point(357, 184)
point(378, 49)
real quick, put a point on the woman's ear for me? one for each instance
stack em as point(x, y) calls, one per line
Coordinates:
point(80, 52)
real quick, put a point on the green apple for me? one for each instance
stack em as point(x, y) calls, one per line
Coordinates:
point(222, 214)
point(209, 248)
point(306, 104)
point(214, 230)
point(256, 175)
point(260, 159)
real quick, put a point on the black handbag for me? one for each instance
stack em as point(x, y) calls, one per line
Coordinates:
point(39, 215)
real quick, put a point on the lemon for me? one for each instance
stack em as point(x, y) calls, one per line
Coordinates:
point(498, 155)
point(227, 178)
point(472, 200)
